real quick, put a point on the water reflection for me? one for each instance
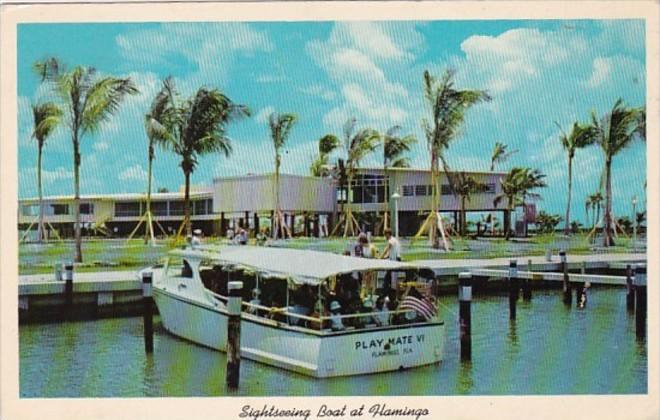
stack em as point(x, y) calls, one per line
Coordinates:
point(548, 349)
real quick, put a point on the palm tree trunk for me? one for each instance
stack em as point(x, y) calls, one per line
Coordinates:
point(434, 202)
point(607, 238)
point(347, 209)
point(76, 198)
point(568, 204)
point(186, 205)
point(278, 228)
point(463, 216)
point(507, 220)
point(40, 227)
point(148, 211)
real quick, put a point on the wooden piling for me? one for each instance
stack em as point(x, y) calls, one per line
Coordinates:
point(566, 287)
point(464, 314)
point(640, 297)
point(147, 311)
point(234, 333)
point(527, 284)
point(581, 289)
point(513, 288)
point(630, 290)
point(68, 286)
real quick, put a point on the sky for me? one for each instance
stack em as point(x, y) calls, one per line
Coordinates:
point(539, 74)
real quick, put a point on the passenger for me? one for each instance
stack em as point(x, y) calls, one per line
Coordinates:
point(262, 237)
point(335, 316)
point(256, 300)
point(368, 308)
point(383, 318)
point(196, 239)
point(230, 234)
point(242, 237)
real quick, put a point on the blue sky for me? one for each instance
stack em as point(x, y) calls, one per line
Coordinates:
point(537, 72)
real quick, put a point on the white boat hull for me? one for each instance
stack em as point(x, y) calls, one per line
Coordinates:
point(313, 353)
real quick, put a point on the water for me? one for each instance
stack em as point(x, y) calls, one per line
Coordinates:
point(549, 350)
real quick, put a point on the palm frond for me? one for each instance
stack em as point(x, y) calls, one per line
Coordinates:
point(102, 100)
point(328, 144)
point(47, 117)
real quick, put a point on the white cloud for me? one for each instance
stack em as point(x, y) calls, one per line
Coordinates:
point(361, 59)
point(519, 55)
point(211, 49)
point(263, 115)
point(319, 91)
point(58, 174)
point(133, 173)
point(601, 72)
point(100, 146)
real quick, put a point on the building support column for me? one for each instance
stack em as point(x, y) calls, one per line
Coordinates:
point(316, 225)
point(256, 223)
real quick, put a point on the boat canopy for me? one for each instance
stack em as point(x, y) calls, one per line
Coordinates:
point(298, 266)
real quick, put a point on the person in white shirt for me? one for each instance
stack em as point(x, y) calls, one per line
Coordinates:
point(393, 248)
point(335, 316)
point(383, 317)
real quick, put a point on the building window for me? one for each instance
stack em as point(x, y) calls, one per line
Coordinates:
point(445, 189)
point(128, 209)
point(86, 208)
point(30, 209)
point(421, 190)
point(176, 208)
point(159, 208)
point(59, 209)
point(408, 190)
point(369, 189)
point(199, 207)
point(490, 188)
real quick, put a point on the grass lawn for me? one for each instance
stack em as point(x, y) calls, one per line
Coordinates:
point(119, 254)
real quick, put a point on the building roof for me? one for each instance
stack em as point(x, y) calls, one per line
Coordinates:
point(125, 196)
point(299, 266)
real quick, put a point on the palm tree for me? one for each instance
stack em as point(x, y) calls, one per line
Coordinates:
point(533, 179)
point(327, 144)
point(517, 187)
point(614, 131)
point(358, 145)
point(500, 154)
point(198, 127)
point(580, 137)
point(465, 186)
point(595, 201)
point(448, 106)
point(394, 146)
point(280, 128)
point(156, 126)
point(47, 117)
point(89, 100)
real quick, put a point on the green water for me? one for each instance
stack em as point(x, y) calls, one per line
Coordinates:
point(550, 349)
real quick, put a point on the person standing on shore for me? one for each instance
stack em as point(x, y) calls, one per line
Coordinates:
point(393, 249)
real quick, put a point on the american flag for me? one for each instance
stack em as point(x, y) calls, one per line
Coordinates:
point(422, 304)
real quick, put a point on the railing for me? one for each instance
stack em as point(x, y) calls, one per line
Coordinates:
point(318, 320)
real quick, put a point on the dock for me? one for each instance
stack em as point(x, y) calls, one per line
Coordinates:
point(117, 293)
point(452, 267)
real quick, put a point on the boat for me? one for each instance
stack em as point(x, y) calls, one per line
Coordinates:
point(367, 315)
